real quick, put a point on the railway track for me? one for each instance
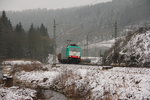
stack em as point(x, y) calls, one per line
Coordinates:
point(85, 65)
point(78, 64)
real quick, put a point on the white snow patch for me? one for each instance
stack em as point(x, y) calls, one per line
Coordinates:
point(20, 62)
point(50, 59)
point(40, 78)
point(120, 83)
point(16, 93)
point(82, 72)
point(94, 60)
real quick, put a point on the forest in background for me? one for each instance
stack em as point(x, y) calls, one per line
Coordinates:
point(16, 43)
point(96, 20)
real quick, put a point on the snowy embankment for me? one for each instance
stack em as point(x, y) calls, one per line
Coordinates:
point(116, 83)
point(20, 62)
point(121, 84)
point(20, 65)
point(16, 93)
point(35, 79)
point(91, 82)
point(139, 48)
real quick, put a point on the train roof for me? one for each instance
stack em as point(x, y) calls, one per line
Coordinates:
point(73, 46)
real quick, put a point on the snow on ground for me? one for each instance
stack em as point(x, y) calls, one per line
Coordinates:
point(131, 70)
point(37, 78)
point(20, 62)
point(50, 59)
point(93, 60)
point(10, 67)
point(16, 93)
point(96, 60)
point(116, 83)
point(138, 46)
point(119, 85)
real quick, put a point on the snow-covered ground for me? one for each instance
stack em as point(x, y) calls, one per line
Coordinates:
point(89, 82)
point(9, 67)
point(117, 83)
point(20, 62)
point(120, 83)
point(92, 82)
point(37, 78)
point(50, 59)
point(16, 93)
point(93, 60)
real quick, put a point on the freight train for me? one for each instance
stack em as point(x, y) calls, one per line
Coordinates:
point(70, 54)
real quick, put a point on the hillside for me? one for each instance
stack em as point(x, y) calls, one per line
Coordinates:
point(134, 49)
point(96, 20)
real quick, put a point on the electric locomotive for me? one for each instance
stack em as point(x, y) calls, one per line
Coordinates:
point(70, 54)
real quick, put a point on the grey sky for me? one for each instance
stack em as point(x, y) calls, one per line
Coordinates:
point(50, 4)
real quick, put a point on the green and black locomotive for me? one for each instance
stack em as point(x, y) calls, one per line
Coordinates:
point(70, 54)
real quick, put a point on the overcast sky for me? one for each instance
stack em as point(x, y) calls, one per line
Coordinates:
point(16, 5)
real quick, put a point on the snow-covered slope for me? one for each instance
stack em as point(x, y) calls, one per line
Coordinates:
point(140, 44)
point(139, 48)
point(133, 49)
point(17, 93)
point(34, 79)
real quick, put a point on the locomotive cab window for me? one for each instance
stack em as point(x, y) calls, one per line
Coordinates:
point(75, 49)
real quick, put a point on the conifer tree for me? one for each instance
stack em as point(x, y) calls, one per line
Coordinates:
point(17, 44)
point(43, 30)
point(19, 41)
point(6, 37)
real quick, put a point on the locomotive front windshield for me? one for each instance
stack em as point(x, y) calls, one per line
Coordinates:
point(75, 49)
point(75, 52)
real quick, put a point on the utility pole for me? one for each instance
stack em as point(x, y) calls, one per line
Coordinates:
point(84, 46)
point(68, 42)
point(100, 57)
point(115, 47)
point(115, 33)
point(87, 38)
point(54, 47)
